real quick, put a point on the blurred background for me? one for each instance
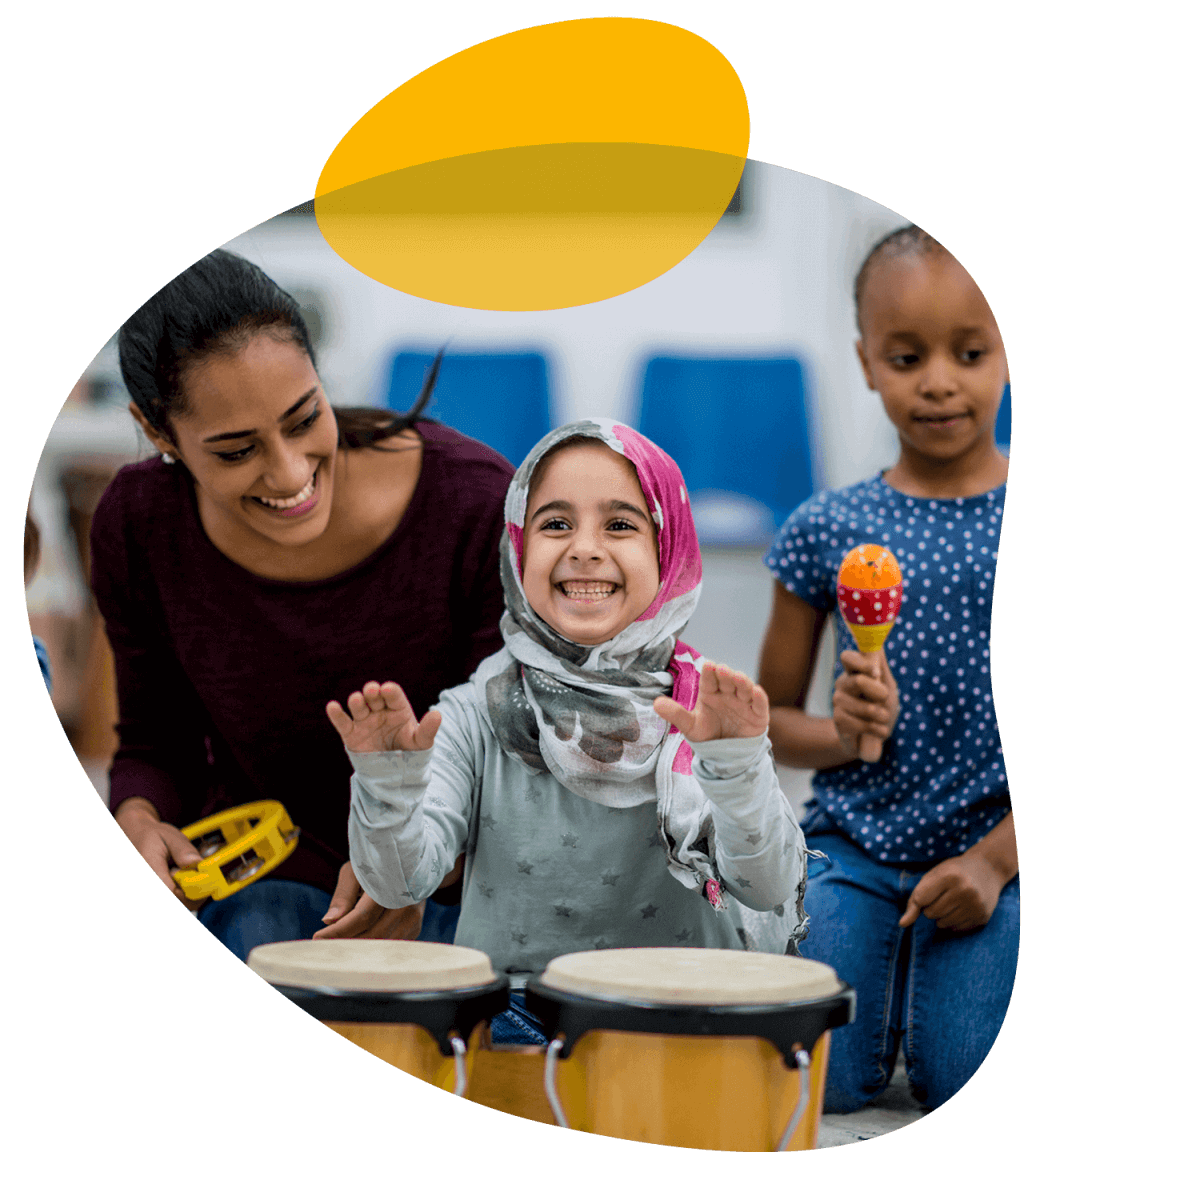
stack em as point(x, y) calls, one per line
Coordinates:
point(739, 362)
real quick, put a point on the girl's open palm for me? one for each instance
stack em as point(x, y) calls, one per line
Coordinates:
point(381, 718)
point(730, 705)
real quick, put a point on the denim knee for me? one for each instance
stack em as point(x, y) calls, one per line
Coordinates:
point(959, 988)
point(855, 911)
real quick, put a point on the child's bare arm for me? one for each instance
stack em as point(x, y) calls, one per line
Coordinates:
point(785, 672)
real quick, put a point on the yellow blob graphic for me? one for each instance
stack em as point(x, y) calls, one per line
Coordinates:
point(546, 168)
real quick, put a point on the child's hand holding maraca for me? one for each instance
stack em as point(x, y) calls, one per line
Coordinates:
point(869, 590)
point(866, 700)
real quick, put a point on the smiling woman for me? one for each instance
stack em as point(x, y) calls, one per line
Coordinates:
point(280, 549)
point(267, 486)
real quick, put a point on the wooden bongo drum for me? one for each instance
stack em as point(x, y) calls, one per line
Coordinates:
point(420, 1006)
point(713, 1049)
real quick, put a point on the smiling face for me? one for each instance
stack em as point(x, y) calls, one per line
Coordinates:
point(589, 558)
point(260, 440)
point(931, 349)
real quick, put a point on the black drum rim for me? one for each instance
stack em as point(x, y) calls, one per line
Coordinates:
point(296, 990)
point(441, 1013)
point(785, 1024)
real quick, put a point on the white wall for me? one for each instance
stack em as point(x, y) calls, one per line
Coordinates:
point(776, 279)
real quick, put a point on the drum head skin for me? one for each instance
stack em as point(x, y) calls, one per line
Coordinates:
point(682, 976)
point(367, 965)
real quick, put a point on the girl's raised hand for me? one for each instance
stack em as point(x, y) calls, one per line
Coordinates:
point(381, 718)
point(730, 705)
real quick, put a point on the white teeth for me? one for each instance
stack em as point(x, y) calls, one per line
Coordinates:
point(582, 591)
point(291, 501)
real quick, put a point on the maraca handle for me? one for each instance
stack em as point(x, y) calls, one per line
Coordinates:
point(870, 748)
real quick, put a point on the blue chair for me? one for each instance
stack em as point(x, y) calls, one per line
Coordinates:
point(738, 428)
point(503, 400)
point(1004, 420)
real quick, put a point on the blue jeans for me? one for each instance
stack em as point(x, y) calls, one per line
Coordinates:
point(945, 993)
point(517, 1026)
point(439, 922)
point(281, 910)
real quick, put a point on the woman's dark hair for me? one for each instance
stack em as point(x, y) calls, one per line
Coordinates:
point(909, 240)
point(215, 307)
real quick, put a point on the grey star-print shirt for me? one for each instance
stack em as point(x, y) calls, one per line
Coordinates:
point(562, 872)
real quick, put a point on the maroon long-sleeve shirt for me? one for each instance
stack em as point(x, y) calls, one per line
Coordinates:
point(223, 676)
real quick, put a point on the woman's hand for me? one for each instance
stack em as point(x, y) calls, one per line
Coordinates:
point(866, 700)
point(353, 914)
point(160, 844)
point(730, 705)
point(381, 718)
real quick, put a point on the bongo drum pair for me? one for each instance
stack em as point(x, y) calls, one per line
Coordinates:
point(420, 1006)
point(712, 1049)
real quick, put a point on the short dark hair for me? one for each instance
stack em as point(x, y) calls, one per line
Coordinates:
point(908, 240)
point(217, 306)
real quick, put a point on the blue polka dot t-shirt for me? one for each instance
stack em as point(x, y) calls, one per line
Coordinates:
point(940, 785)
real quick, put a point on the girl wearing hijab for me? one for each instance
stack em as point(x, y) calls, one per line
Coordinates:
point(607, 786)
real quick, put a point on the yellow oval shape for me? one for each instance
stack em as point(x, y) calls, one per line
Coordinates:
point(546, 168)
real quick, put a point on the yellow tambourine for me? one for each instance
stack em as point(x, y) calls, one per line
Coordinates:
point(238, 846)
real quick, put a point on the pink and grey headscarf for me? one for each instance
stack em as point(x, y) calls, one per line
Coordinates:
point(585, 713)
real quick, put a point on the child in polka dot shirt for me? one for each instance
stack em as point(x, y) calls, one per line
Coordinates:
point(917, 904)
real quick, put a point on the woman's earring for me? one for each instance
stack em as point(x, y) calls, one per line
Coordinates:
point(168, 459)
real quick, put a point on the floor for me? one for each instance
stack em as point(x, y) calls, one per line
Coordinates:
point(894, 1109)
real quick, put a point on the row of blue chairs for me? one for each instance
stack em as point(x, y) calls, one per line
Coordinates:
point(737, 427)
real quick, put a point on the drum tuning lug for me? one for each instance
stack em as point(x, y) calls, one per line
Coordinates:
point(552, 1052)
point(460, 1064)
point(802, 1062)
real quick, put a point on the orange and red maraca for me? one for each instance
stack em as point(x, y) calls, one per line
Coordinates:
point(869, 590)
